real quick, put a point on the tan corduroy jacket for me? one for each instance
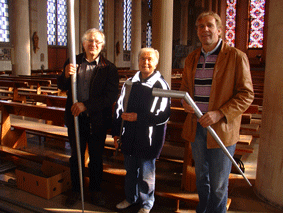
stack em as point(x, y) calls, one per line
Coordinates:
point(231, 93)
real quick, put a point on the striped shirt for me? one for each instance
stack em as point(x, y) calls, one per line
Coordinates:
point(203, 77)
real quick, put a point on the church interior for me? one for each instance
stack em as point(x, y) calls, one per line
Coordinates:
point(35, 42)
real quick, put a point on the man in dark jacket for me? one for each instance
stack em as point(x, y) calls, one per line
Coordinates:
point(97, 90)
point(143, 132)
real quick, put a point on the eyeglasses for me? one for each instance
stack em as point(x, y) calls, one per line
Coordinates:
point(95, 41)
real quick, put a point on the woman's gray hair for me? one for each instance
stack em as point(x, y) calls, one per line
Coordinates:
point(149, 49)
point(93, 30)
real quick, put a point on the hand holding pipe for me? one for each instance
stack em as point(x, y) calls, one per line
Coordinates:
point(128, 88)
point(189, 100)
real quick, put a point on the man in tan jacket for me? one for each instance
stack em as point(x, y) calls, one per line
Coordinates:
point(218, 78)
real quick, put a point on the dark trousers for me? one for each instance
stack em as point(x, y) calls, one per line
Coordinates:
point(95, 138)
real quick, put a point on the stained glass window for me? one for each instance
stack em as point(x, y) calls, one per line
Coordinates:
point(231, 22)
point(127, 25)
point(57, 22)
point(101, 15)
point(257, 12)
point(149, 26)
point(148, 34)
point(4, 22)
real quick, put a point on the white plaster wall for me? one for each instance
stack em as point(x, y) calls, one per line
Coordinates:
point(38, 23)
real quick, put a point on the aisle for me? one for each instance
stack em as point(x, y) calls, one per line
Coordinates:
point(168, 175)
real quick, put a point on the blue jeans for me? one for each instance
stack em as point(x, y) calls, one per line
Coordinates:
point(212, 169)
point(140, 181)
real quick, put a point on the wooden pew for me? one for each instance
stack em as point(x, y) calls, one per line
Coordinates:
point(52, 78)
point(48, 100)
point(35, 85)
point(126, 73)
point(12, 89)
point(16, 137)
point(46, 72)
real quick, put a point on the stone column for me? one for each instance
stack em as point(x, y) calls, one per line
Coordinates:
point(77, 27)
point(184, 22)
point(136, 34)
point(162, 35)
point(94, 14)
point(20, 37)
point(83, 20)
point(269, 175)
point(109, 17)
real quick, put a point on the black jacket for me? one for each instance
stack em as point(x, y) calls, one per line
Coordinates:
point(103, 92)
point(145, 137)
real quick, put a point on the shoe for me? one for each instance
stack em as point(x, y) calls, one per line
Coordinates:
point(123, 205)
point(97, 198)
point(143, 210)
point(72, 198)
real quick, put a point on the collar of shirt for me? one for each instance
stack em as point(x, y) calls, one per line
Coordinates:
point(212, 51)
point(95, 62)
point(145, 80)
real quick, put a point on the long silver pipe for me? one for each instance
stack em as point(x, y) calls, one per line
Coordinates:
point(128, 88)
point(189, 100)
point(72, 54)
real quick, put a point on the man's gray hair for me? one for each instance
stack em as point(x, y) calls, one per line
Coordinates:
point(93, 30)
point(149, 49)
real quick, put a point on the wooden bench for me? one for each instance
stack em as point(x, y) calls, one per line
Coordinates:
point(10, 89)
point(183, 196)
point(126, 73)
point(14, 90)
point(48, 100)
point(13, 131)
point(52, 78)
point(46, 72)
point(34, 84)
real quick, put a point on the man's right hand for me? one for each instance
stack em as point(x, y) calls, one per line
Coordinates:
point(70, 69)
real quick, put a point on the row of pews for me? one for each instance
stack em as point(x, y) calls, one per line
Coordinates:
point(36, 72)
point(34, 111)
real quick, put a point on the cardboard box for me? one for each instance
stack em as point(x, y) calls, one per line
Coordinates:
point(52, 180)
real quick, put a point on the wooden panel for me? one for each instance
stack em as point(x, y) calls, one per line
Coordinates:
point(56, 57)
point(46, 113)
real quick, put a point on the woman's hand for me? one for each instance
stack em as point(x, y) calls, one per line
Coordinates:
point(129, 116)
point(116, 142)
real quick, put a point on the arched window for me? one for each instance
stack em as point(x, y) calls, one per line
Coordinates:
point(257, 12)
point(4, 18)
point(230, 32)
point(149, 26)
point(101, 15)
point(57, 22)
point(148, 34)
point(127, 25)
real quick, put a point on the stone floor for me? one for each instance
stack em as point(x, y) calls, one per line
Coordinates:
point(12, 199)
